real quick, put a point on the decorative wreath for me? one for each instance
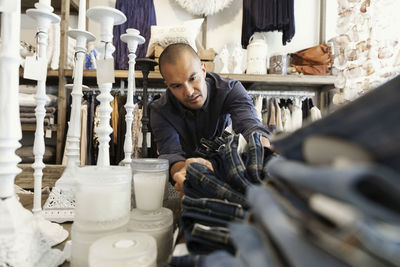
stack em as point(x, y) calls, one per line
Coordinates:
point(204, 7)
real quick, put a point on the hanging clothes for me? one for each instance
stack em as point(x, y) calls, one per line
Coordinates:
point(278, 114)
point(315, 113)
point(268, 15)
point(141, 15)
point(297, 114)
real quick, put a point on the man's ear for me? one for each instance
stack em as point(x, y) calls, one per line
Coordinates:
point(203, 67)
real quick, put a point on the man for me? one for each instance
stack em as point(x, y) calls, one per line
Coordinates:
point(196, 105)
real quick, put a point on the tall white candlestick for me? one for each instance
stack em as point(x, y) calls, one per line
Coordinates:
point(133, 39)
point(107, 17)
point(21, 240)
point(82, 15)
point(44, 17)
point(45, 2)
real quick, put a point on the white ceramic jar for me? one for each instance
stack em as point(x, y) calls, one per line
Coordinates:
point(124, 250)
point(158, 224)
point(257, 52)
point(149, 182)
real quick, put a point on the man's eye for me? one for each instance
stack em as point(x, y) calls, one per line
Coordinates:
point(192, 78)
point(176, 86)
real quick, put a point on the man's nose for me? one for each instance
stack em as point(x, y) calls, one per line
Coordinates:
point(188, 89)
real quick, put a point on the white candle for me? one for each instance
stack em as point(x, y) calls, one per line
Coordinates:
point(82, 15)
point(45, 2)
point(149, 190)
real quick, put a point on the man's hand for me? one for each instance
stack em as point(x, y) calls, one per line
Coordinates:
point(178, 171)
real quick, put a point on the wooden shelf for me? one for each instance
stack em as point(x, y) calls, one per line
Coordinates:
point(271, 79)
point(32, 127)
point(56, 4)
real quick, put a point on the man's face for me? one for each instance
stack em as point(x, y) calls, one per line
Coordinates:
point(186, 81)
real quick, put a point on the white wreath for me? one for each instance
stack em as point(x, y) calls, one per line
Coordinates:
point(204, 7)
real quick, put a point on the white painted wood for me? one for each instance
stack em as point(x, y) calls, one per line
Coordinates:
point(107, 17)
point(43, 18)
point(53, 233)
point(60, 205)
point(133, 38)
point(21, 239)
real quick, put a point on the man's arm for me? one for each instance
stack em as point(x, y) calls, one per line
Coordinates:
point(243, 114)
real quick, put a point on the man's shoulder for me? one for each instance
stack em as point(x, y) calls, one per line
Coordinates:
point(161, 103)
point(220, 83)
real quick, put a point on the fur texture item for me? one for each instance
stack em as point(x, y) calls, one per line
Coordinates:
point(204, 7)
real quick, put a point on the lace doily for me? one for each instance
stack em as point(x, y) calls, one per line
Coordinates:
point(21, 241)
point(60, 205)
point(204, 7)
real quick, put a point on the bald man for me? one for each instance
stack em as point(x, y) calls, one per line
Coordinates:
point(197, 104)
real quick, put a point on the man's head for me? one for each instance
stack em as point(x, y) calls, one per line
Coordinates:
point(184, 75)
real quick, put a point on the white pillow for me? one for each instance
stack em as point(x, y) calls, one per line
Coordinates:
point(166, 35)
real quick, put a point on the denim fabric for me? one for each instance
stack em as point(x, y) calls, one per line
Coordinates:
point(214, 207)
point(185, 261)
point(376, 128)
point(219, 259)
point(255, 159)
point(371, 188)
point(235, 169)
point(380, 239)
point(250, 244)
point(200, 181)
point(292, 244)
point(201, 241)
point(212, 233)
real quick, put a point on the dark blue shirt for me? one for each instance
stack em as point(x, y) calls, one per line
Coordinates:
point(178, 130)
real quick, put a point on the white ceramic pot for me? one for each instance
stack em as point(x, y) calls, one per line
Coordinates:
point(257, 52)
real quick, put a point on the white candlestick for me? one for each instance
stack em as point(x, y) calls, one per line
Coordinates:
point(133, 39)
point(60, 205)
point(20, 238)
point(107, 17)
point(82, 15)
point(44, 17)
point(45, 2)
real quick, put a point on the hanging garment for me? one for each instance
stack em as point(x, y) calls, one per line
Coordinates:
point(268, 15)
point(297, 114)
point(278, 115)
point(272, 116)
point(114, 118)
point(315, 114)
point(258, 106)
point(287, 120)
point(141, 15)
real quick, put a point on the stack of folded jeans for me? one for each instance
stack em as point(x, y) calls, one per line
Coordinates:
point(296, 213)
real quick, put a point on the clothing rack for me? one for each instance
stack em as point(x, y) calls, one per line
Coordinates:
point(283, 94)
point(137, 91)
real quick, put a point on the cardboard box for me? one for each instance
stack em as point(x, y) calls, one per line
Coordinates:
point(158, 50)
point(206, 54)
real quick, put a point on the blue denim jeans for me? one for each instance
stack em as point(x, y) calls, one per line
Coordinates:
point(371, 121)
point(373, 189)
point(289, 240)
point(201, 182)
point(218, 259)
point(214, 207)
point(205, 234)
point(235, 169)
point(251, 245)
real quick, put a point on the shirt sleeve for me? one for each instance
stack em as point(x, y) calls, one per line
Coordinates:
point(166, 138)
point(243, 114)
